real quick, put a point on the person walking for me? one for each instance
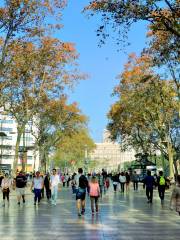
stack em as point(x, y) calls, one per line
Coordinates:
point(135, 181)
point(175, 197)
point(20, 184)
point(81, 192)
point(122, 180)
point(149, 183)
point(161, 183)
point(55, 186)
point(47, 186)
point(94, 193)
point(115, 180)
point(101, 183)
point(38, 185)
point(127, 181)
point(6, 183)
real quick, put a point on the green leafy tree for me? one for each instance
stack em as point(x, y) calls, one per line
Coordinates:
point(71, 149)
point(143, 117)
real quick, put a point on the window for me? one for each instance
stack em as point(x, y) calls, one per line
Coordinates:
point(4, 129)
point(7, 138)
point(7, 156)
point(6, 121)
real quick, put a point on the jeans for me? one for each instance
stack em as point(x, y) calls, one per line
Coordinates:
point(115, 187)
point(54, 194)
point(135, 184)
point(37, 195)
point(149, 194)
point(161, 190)
point(94, 201)
point(6, 194)
point(122, 187)
point(48, 192)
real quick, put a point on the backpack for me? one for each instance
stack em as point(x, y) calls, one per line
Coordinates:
point(162, 181)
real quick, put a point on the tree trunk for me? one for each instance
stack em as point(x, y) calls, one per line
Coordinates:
point(20, 130)
point(171, 162)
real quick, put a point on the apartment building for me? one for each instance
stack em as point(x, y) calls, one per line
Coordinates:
point(109, 155)
point(8, 136)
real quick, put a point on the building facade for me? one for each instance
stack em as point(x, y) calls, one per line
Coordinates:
point(109, 155)
point(8, 136)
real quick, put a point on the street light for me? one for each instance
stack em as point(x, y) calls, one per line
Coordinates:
point(85, 158)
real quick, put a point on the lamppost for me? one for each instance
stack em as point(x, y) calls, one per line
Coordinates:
point(85, 158)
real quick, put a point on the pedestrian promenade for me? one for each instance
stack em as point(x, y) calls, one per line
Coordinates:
point(121, 217)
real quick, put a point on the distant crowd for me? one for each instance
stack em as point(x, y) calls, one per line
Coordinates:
point(95, 185)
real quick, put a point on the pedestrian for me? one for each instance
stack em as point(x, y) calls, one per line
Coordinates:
point(20, 184)
point(63, 179)
point(73, 183)
point(135, 181)
point(38, 185)
point(55, 186)
point(127, 181)
point(94, 193)
point(161, 183)
point(101, 183)
point(81, 192)
point(122, 180)
point(149, 183)
point(47, 185)
point(115, 180)
point(68, 179)
point(42, 190)
point(107, 183)
point(175, 197)
point(6, 183)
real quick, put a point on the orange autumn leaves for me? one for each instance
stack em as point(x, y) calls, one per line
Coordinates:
point(145, 102)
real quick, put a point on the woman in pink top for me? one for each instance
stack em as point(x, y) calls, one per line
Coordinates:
point(94, 193)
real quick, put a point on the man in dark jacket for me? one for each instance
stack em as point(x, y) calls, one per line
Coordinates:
point(81, 192)
point(149, 182)
point(47, 186)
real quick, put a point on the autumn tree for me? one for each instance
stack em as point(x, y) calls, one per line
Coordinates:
point(21, 19)
point(70, 150)
point(165, 53)
point(120, 15)
point(35, 74)
point(55, 121)
point(144, 116)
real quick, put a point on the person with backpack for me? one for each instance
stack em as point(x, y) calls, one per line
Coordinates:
point(81, 192)
point(161, 183)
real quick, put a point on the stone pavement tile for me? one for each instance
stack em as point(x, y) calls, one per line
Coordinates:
point(126, 217)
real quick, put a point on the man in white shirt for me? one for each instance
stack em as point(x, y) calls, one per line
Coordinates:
point(54, 184)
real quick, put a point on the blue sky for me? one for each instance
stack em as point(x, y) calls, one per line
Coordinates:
point(101, 64)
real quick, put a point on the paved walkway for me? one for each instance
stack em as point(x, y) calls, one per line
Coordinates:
point(121, 217)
